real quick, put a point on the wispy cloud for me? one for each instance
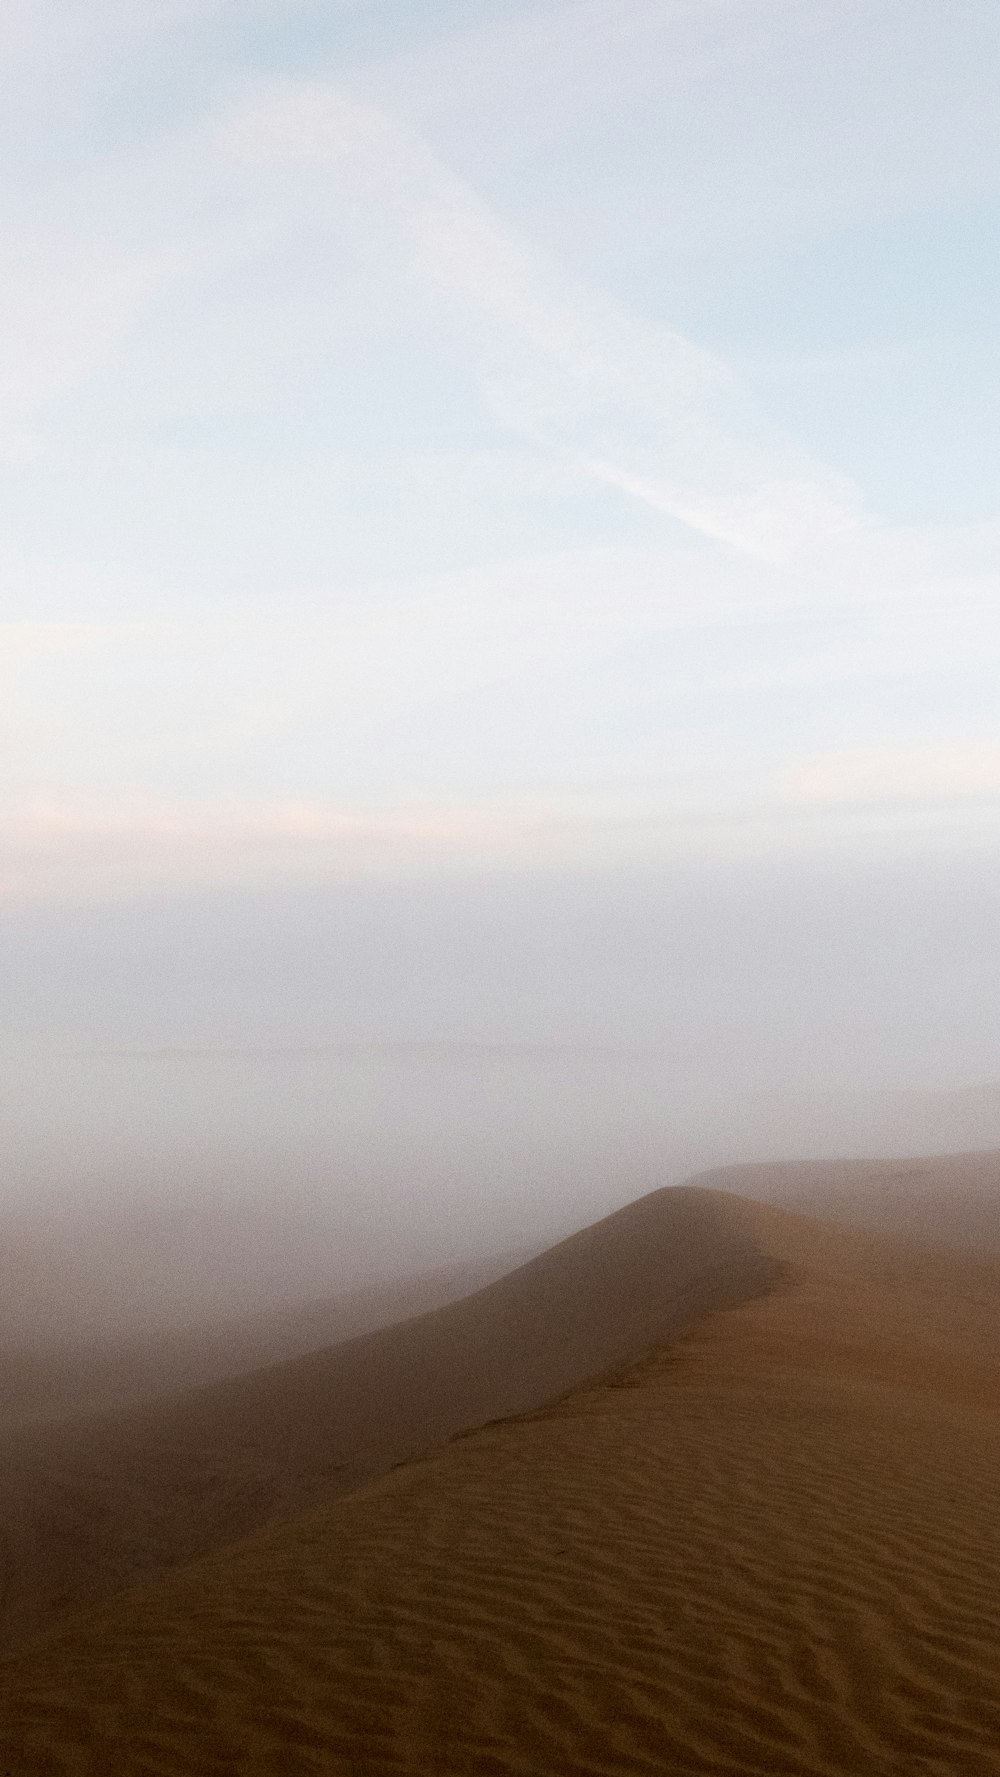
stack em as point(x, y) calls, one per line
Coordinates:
point(947, 771)
point(75, 849)
point(201, 337)
point(642, 410)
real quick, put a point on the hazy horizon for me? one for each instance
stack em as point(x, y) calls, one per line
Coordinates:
point(155, 1194)
point(499, 570)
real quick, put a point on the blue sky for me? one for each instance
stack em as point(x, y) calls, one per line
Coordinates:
point(435, 436)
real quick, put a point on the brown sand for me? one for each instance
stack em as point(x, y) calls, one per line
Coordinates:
point(88, 1507)
point(772, 1547)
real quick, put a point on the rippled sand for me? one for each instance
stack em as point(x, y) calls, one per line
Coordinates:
point(770, 1546)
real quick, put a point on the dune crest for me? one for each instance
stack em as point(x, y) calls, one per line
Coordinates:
point(766, 1548)
point(91, 1506)
point(46, 1380)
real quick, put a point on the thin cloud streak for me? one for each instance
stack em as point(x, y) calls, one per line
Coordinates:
point(70, 850)
point(560, 365)
point(916, 774)
point(607, 697)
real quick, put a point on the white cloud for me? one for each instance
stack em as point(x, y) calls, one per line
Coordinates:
point(290, 712)
point(639, 409)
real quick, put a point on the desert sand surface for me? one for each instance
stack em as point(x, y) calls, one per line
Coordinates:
point(953, 1199)
point(91, 1505)
point(769, 1544)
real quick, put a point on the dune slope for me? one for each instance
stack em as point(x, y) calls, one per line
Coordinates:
point(770, 1548)
point(90, 1506)
point(46, 1380)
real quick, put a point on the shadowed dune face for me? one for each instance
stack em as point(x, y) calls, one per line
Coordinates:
point(91, 1505)
point(769, 1548)
point(54, 1380)
point(951, 1198)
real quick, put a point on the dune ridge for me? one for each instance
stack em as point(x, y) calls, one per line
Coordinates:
point(91, 1506)
point(44, 1380)
point(767, 1547)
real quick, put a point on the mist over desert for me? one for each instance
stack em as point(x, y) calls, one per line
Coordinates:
point(329, 1442)
point(736, 1512)
point(499, 888)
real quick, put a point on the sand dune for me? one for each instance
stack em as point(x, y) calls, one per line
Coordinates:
point(952, 1198)
point(769, 1547)
point(88, 1506)
point(47, 1380)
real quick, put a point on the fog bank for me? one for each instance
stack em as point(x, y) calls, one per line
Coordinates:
point(146, 1191)
point(214, 1102)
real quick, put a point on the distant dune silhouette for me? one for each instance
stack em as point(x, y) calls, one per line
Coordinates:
point(952, 1198)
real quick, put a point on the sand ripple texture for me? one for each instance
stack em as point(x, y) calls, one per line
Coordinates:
point(771, 1548)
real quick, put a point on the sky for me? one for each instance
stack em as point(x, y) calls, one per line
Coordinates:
point(499, 527)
